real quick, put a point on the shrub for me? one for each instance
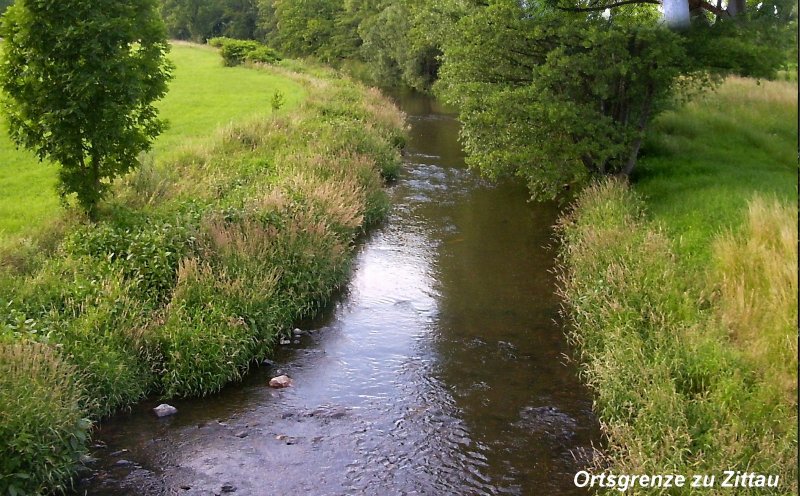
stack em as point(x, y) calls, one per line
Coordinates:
point(147, 251)
point(234, 52)
point(43, 429)
point(219, 41)
point(263, 55)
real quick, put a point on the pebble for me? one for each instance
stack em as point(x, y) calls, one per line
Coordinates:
point(228, 488)
point(123, 463)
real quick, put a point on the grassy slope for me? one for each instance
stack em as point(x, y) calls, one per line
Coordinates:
point(682, 292)
point(706, 160)
point(203, 96)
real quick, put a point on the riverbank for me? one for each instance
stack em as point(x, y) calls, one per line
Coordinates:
point(201, 260)
point(681, 293)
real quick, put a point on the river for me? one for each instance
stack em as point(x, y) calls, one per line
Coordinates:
point(440, 369)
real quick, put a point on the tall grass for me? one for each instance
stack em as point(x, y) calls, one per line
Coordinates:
point(683, 383)
point(42, 426)
point(681, 292)
point(201, 259)
point(756, 273)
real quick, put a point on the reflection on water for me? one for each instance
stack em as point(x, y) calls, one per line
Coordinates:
point(439, 371)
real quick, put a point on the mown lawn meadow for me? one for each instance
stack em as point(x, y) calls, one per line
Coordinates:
point(681, 290)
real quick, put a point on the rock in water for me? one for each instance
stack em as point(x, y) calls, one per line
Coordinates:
point(164, 410)
point(282, 381)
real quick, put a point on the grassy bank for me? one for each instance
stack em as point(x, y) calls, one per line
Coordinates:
point(682, 293)
point(202, 258)
point(203, 96)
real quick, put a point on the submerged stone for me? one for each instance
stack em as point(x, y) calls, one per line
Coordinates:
point(282, 381)
point(164, 410)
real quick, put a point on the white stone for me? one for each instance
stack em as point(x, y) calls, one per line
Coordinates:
point(164, 410)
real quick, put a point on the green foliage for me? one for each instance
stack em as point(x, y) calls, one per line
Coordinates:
point(108, 60)
point(535, 102)
point(314, 27)
point(146, 252)
point(394, 53)
point(277, 101)
point(234, 52)
point(558, 97)
point(199, 20)
point(218, 41)
point(42, 426)
point(263, 55)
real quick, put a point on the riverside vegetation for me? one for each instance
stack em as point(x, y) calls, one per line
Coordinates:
point(682, 292)
point(201, 258)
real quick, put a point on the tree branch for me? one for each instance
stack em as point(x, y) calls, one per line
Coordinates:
point(608, 6)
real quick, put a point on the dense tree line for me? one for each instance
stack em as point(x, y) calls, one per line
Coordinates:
point(388, 35)
point(555, 91)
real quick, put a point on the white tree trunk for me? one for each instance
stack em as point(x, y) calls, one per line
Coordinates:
point(676, 13)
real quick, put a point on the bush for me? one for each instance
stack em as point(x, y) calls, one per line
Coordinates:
point(234, 52)
point(146, 251)
point(43, 430)
point(263, 55)
point(219, 41)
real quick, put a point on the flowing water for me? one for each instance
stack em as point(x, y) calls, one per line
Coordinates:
point(440, 369)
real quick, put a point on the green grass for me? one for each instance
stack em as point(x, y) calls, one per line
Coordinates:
point(681, 291)
point(704, 161)
point(203, 96)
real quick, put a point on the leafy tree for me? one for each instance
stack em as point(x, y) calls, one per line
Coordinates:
point(80, 79)
point(305, 27)
point(399, 47)
point(557, 95)
point(199, 20)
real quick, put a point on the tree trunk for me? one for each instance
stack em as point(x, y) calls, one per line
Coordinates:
point(676, 14)
point(94, 182)
point(736, 7)
point(644, 118)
